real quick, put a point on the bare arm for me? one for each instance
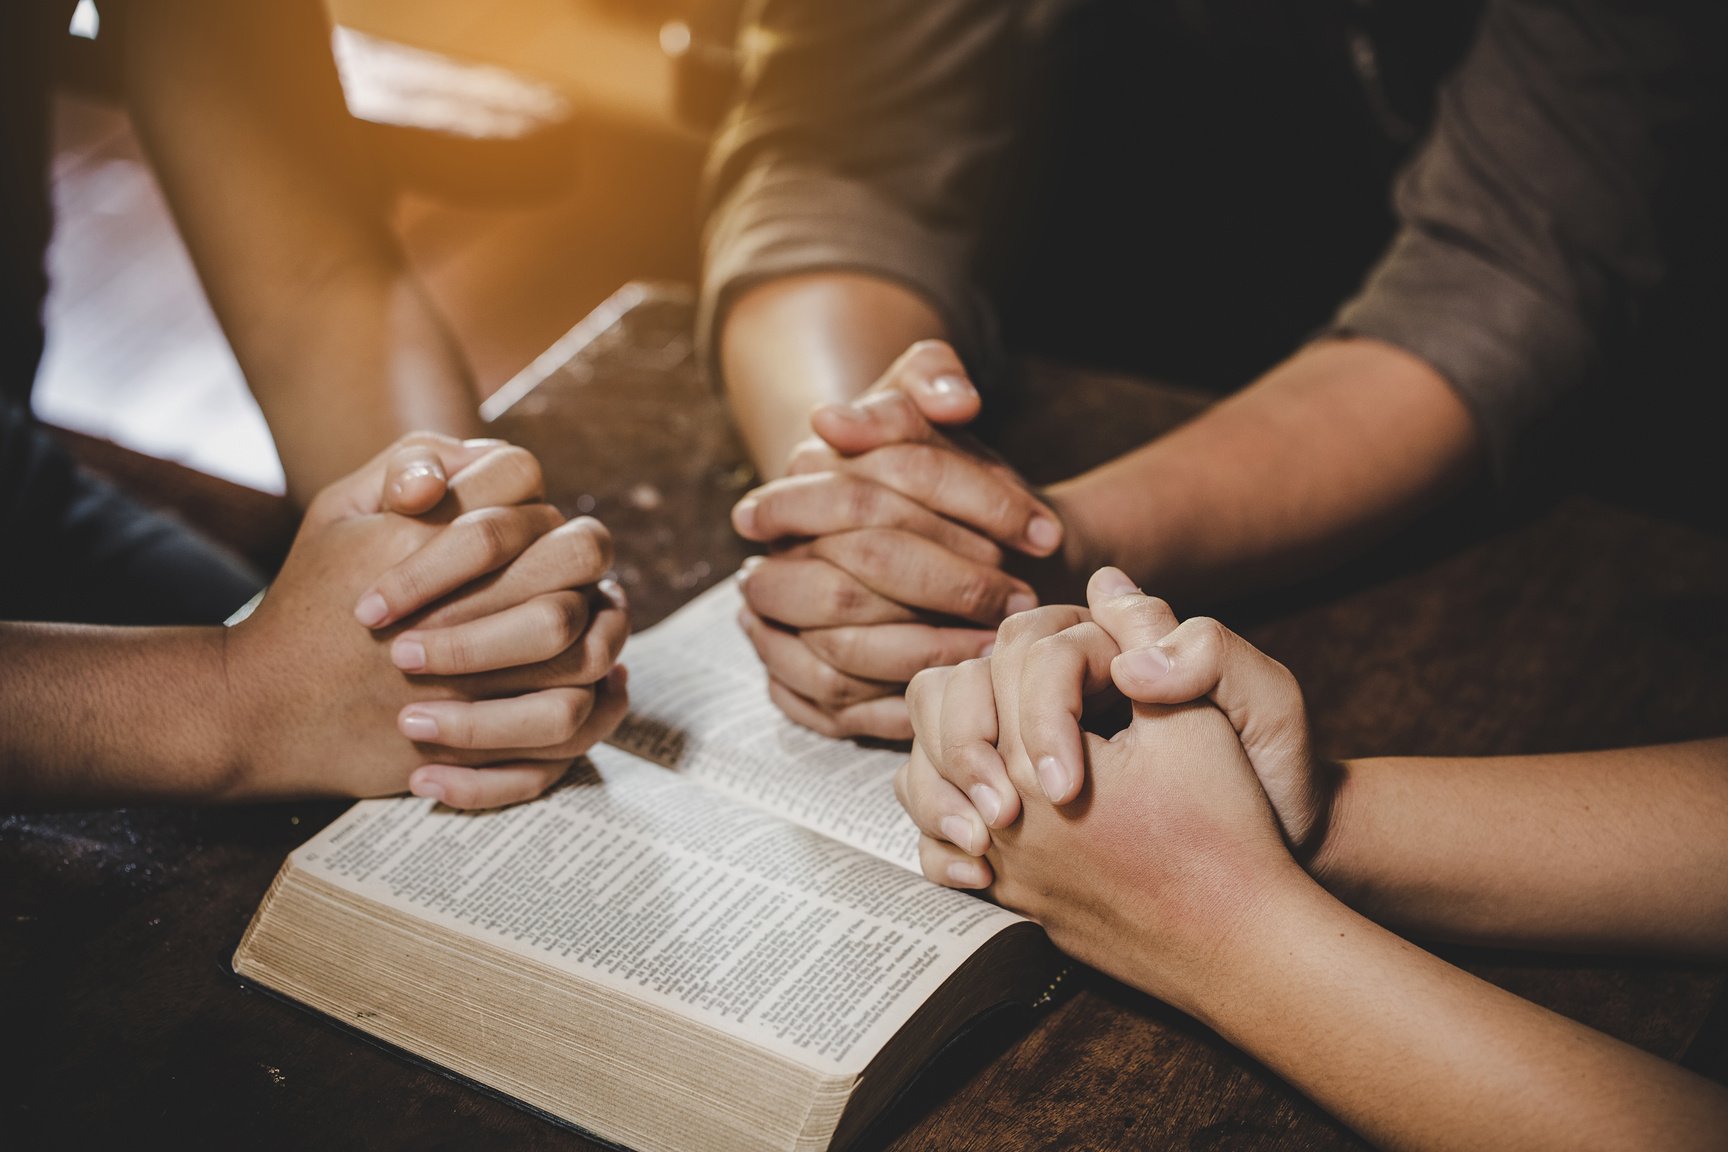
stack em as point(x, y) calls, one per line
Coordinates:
point(1414, 1053)
point(1597, 851)
point(847, 199)
point(1332, 448)
point(791, 344)
point(117, 714)
point(1169, 870)
point(240, 108)
point(459, 654)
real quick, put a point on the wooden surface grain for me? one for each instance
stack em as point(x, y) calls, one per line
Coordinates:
point(1492, 627)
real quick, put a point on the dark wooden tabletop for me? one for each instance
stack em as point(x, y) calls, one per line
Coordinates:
point(1565, 623)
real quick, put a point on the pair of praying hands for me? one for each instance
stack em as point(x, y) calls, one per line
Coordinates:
point(1139, 852)
point(890, 544)
point(437, 628)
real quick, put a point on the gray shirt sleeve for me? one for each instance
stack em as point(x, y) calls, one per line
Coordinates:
point(1533, 220)
point(865, 138)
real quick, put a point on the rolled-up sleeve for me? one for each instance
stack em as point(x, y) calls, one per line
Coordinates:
point(866, 139)
point(1536, 220)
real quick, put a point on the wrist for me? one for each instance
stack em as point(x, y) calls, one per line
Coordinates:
point(1325, 780)
point(237, 716)
point(1215, 976)
point(1209, 937)
point(1324, 853)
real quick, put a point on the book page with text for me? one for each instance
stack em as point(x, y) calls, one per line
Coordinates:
point(636, 880)
point(699, 704)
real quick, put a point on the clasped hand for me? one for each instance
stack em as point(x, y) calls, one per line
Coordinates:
point(889, 542)
point(1134, 851)
point(437, 627)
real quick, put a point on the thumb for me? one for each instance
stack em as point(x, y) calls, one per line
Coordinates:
point(410, 477)
point(1133, 619)
point(1202, 659)
point(926, 389)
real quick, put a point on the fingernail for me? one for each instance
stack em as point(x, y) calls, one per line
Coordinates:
point(1053, 778)
point(484, 442)
point(372, 610)
point(949, 384)
point(614, 592)
point(965, 874)
point(420, 470)
point(1043, 533)
point(959, 832)
point(408, 654)
point(1021, 602)
point(744, 515)
point(429, 789)
point(1146, 665)
point(751, 563)
point(418, 726)
point(1115, 582)
point(989, 804)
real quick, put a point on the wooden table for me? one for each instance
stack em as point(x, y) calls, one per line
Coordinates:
point(1574, 623)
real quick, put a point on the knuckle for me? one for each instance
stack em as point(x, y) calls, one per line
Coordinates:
point(1025, 627)
point(590, 544)
point(769, 516)
point(406, 584)
point(848, 726)
point(830, 687)
point(1285, 678)
point(459, 730)
point(926, 687)
point(452, 650)
point(1206, 638)
point(1159, 609)
point(930, 861)
point(836, 646)
point(574, 710)
point(962, 648)
point(860, 500)
point(978, 594)
point(919, 468)
point(563, 618)
point(613, 639)
point(846, 597)
point(1056, 648)
point(541, 781)
point(520, 467)
point(900, 413)
point(1003, 510)
point(463, 792)
point(488, 534)
point(968, 762)
point(868, 553)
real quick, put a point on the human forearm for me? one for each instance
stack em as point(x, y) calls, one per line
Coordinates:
point(355, 366)
point(791, 344)
point(285, 216)
point(113, 715)
point(1324, 453)
point(1603, 851)
point(1415, 1053)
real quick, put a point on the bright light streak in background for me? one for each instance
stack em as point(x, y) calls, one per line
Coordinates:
point(86, 21)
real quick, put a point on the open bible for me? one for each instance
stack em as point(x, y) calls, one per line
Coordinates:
point(713, 935)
